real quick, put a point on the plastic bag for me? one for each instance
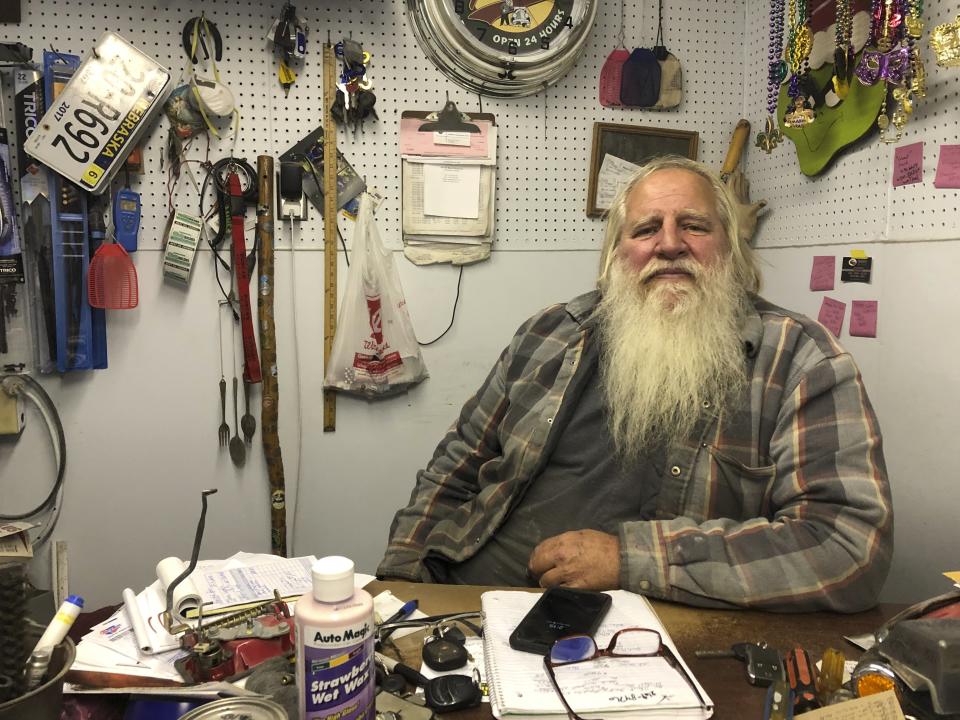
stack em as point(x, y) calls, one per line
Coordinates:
point(375, 351)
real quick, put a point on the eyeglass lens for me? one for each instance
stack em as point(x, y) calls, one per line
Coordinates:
point(578, 648)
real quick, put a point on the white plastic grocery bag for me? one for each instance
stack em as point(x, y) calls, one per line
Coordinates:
point(375, 352)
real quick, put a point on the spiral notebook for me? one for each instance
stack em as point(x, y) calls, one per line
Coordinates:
point(612, 688)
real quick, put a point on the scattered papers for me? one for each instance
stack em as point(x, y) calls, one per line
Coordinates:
point(449, 192)
point(882, 706)
point(614, 174)
point(12, 528)
point(113, 645)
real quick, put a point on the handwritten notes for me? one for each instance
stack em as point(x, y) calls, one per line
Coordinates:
point(882, 706)
point(948, 167)
point(831, 314)
point(863, 318)
point(908, 164)
point(823, 272)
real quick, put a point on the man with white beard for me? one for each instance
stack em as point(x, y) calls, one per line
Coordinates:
point(672, 434)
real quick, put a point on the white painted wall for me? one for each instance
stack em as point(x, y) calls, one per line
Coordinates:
point(142, 437)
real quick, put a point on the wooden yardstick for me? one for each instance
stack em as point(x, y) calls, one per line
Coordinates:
point(329, 228)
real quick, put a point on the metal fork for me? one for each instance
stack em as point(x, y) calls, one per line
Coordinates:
point(224, 429)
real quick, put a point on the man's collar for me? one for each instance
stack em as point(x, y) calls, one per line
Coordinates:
point(751, 329)
point(581, 307)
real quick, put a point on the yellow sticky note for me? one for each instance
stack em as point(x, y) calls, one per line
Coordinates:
point(859, 254)
point(954, 575)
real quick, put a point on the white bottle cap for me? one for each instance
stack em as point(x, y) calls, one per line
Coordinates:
point(332, 578)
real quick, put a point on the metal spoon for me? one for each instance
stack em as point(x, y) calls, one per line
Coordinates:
point(248, 423)
point(238, 452)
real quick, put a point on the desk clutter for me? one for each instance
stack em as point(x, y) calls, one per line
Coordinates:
point(334, 650)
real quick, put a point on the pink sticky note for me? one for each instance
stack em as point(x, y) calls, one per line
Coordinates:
point(831, 314)
point(908, 164)
point(823, 272)
point(863, 318)
point(948, 167)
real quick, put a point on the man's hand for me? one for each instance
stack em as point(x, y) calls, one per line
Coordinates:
point(584, 559)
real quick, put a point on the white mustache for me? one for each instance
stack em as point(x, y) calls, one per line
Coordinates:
point(660, 267)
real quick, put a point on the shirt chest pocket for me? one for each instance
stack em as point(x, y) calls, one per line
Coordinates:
point(740, 491)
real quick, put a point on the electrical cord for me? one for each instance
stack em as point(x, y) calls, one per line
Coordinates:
point(453, 314)
point(25, 386)
point(296, 355)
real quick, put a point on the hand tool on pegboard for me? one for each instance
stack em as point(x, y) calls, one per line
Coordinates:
point(329, 227)
point(270, 396)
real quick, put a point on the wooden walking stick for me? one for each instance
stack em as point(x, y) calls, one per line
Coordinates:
point(270, 399)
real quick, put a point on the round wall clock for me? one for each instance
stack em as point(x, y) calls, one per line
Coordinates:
point(502, 48)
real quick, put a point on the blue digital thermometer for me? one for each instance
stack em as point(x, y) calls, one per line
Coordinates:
point(126, 218)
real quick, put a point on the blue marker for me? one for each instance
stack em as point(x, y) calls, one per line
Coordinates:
point(407, 609)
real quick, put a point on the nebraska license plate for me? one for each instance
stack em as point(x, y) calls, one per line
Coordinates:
point(96, 120)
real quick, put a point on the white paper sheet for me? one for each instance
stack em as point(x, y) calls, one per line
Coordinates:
point(451, 190)
point(614, 174)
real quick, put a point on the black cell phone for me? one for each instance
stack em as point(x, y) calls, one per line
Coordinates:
point(559, 612)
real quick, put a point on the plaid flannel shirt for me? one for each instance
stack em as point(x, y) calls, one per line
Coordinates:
point(781, 504)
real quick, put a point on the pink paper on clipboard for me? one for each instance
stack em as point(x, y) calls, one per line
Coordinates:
point(414, 142)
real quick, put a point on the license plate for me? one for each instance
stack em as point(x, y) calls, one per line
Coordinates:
point(96, 120)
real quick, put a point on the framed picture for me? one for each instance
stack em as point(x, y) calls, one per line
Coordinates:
point(617, 148)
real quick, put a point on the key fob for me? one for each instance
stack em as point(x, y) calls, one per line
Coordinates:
point(452, 692)
point(764, 665)
point(443, 655)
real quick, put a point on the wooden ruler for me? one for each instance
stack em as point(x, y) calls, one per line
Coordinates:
point(60, 572)
point(329, 229)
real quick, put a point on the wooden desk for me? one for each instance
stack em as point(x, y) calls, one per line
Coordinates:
point(691, 629)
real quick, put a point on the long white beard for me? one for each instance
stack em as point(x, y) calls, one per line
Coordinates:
point(666, 349)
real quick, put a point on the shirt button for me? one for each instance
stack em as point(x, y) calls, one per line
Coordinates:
point(644, 585)
point(703, 444)
point(675, 470)
point(706, 404)
point(549, 421)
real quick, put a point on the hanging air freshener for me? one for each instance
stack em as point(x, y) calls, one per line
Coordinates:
point(611, 75)
point(640, 86)
point(671, 76)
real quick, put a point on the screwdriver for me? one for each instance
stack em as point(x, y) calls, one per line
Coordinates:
point(778, 705)
point(803, 680)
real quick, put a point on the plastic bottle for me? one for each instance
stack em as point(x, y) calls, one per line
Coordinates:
point(57, 629)
point(335, 635)
point(54, 634)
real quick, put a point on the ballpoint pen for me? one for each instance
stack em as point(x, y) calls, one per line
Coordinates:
point(406, 609)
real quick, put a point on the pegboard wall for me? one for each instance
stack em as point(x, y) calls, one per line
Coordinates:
point(545, 140)
point(853, 200)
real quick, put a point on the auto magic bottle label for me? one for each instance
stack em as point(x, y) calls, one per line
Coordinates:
point(338, 672)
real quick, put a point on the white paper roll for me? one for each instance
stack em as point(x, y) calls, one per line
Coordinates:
point(139, 629)
point(185, 595)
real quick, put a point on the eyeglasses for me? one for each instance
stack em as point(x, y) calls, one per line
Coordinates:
point(629, 642)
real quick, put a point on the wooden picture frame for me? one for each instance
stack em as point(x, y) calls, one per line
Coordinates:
point(636, 145)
